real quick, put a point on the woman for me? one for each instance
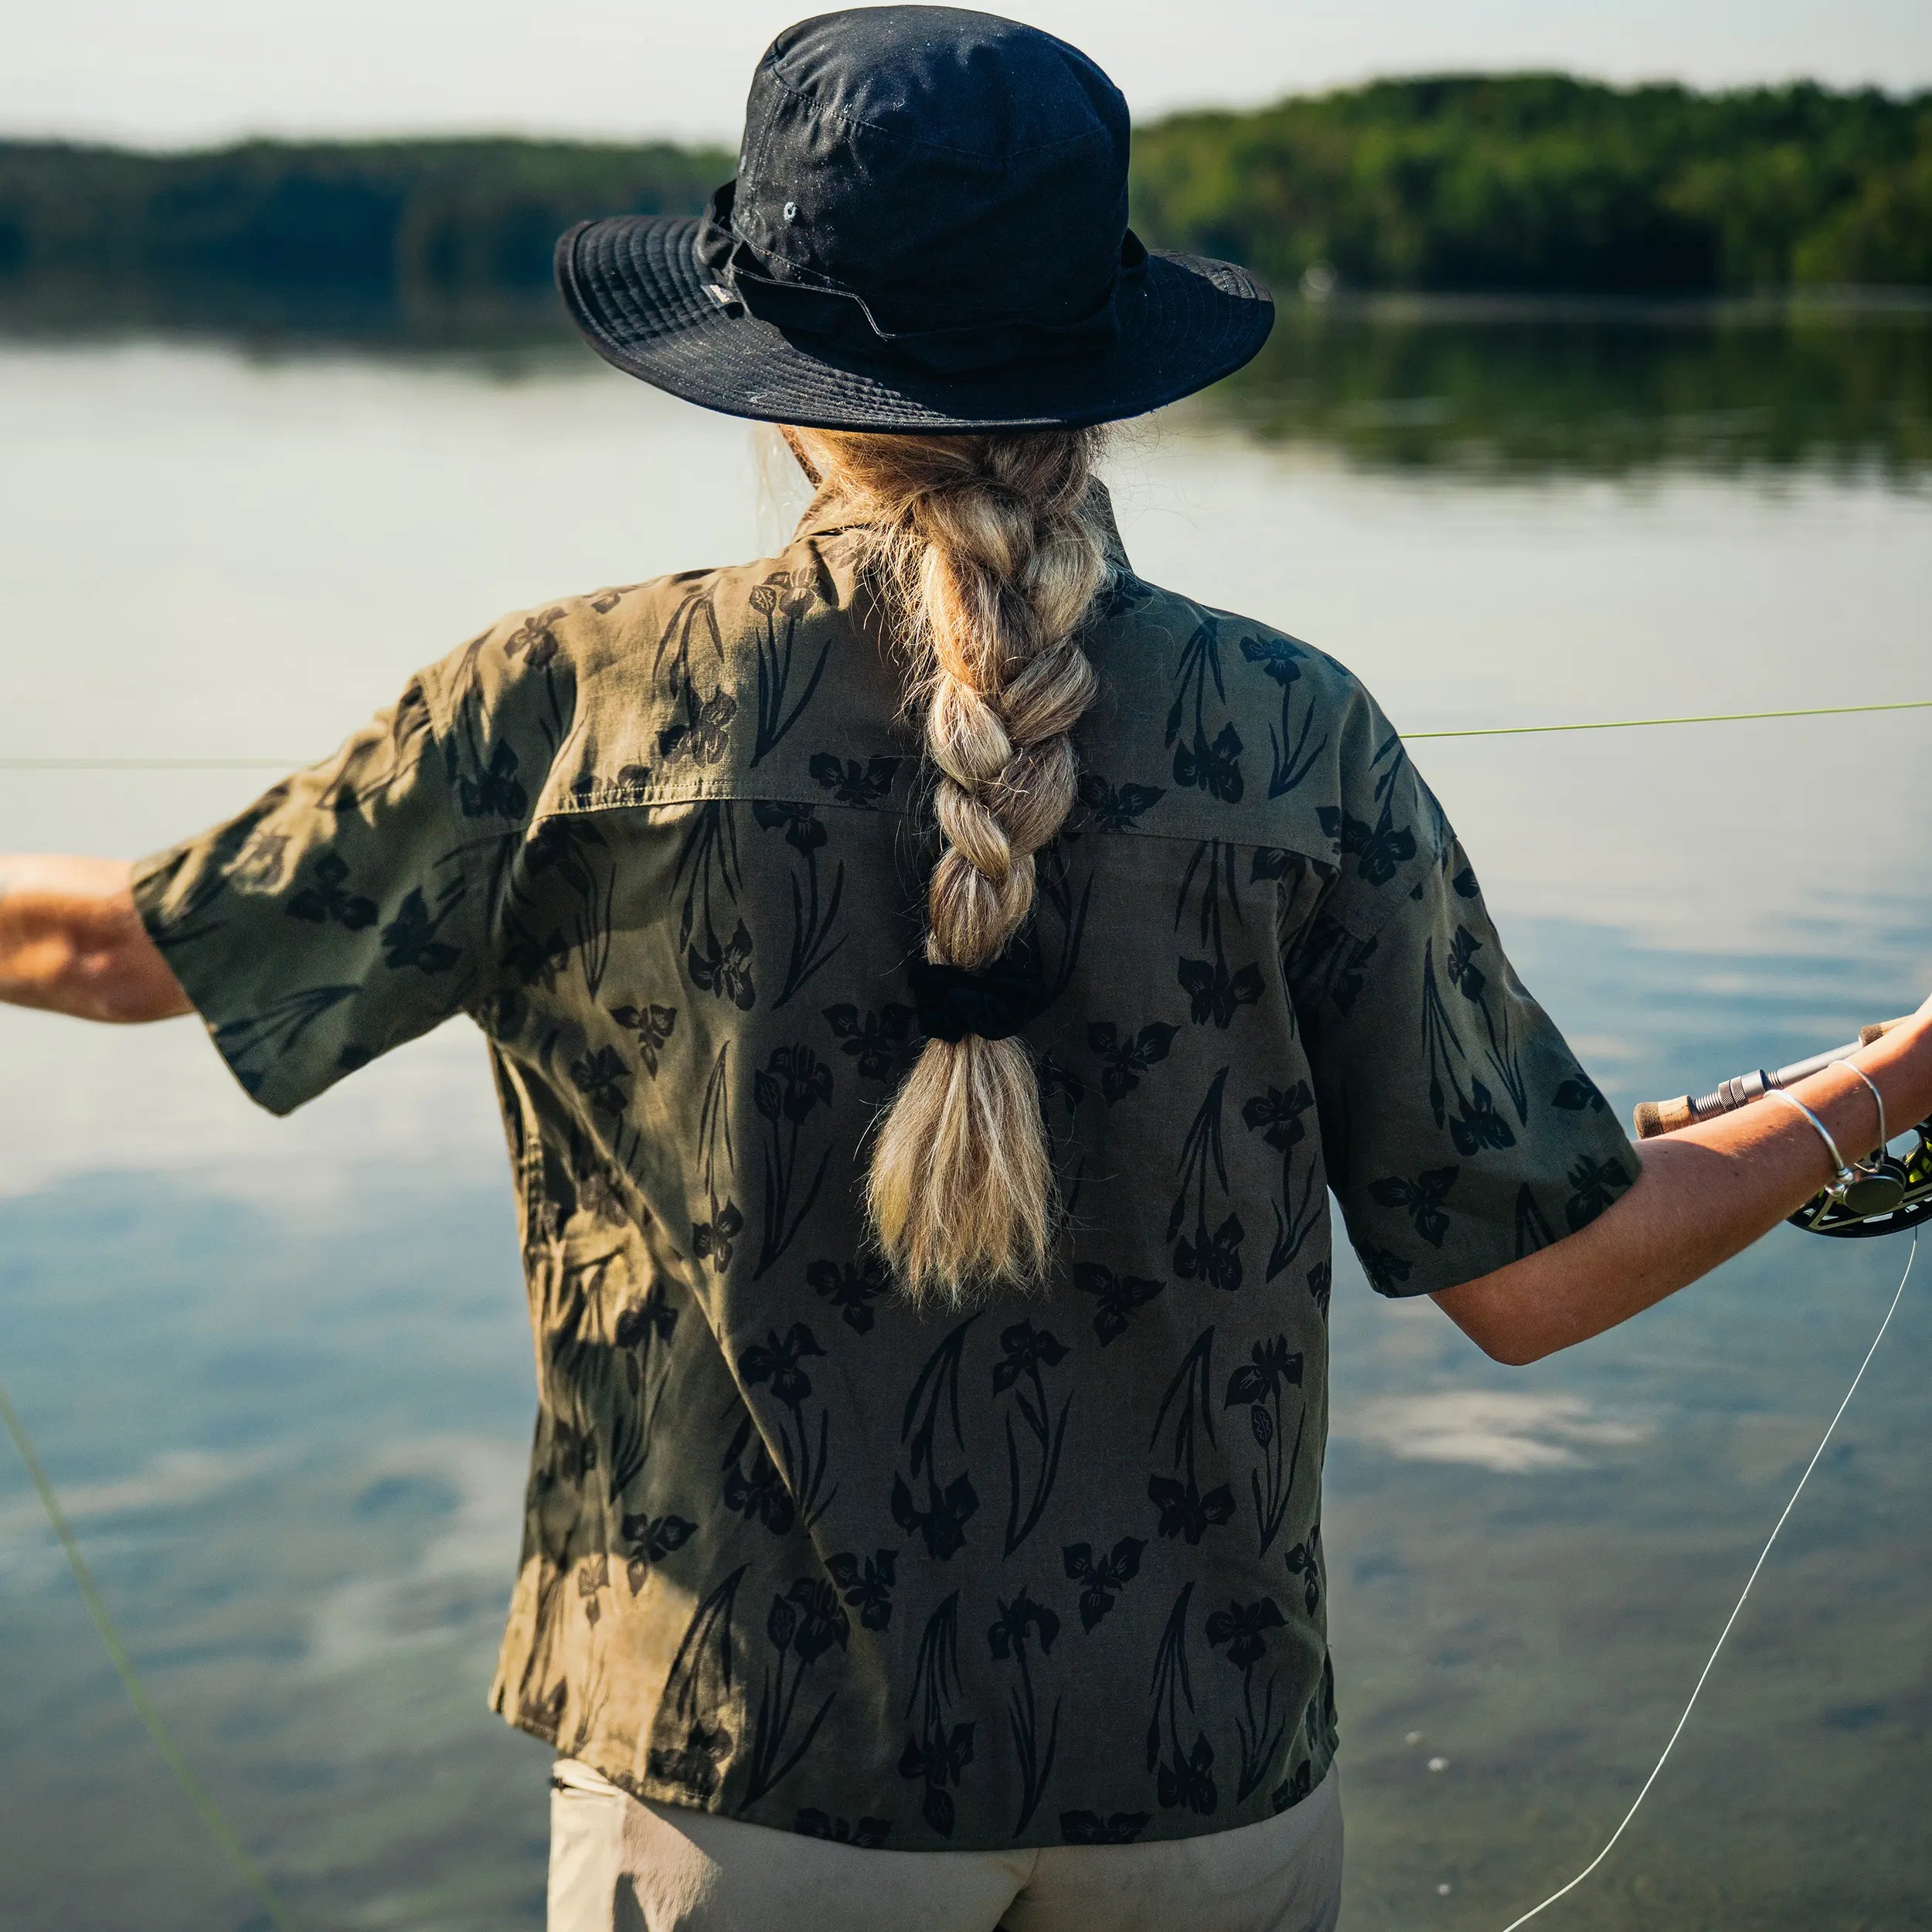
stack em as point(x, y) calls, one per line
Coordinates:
point(933, 979)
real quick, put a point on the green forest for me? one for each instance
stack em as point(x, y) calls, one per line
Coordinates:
point(1524, 183)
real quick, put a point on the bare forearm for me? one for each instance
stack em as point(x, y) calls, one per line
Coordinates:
point(71, 942)
point(1702, 1197)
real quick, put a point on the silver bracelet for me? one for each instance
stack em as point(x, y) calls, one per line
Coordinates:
point(1878, 1098)
point(1842, 1176)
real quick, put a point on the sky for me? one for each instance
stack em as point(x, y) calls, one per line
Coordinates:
point(177, 73)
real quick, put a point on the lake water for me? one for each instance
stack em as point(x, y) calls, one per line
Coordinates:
point(280, 1370)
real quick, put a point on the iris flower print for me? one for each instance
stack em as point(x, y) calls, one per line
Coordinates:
point(1293, 757)
point(1294, 1788)
point(409, 939)
point(1215, 767)
point(1216, 994)
point(940, 1758)
point(782, 599)
point(653, 1024)
point(534, 639)
point(794, 1084)
point(1089, 1827)
point(1128, 1054)
point(776, 1361)
point(1020, 1624)
point(1378, 849)
point(867, 1584)
point(1183, 1775)
point(1243, 1629)
point(1116, 1297)
point(326, 897)
point(1461, 966)
point(948, 1505)
point(1258, 1385)
point(852, 1288)
point(1185, 1509)
point(693, 1767)
point(1305, 1561)
point(851, 784)
point(1216, 1257)
point(1028, 1351)
point(702, 734)
point(869, 1833)
point(1593, 1183)
point(815, 916)
point(762, 1495)
point(496, 793)
point(1421, 1199)
point(879, 1042)
point(1276, 1115)
point(713, 1240)
point(779, 1360)
point(940, 1750)
point(1279, 658)
point(604, 1080)
point(1578, 1093)
point(1189, 1781)
point(725, 970)
point(942, 1523)
point(1101, 1579)
point(1116, 808)
point(1386, 1269)
point(651, 1538)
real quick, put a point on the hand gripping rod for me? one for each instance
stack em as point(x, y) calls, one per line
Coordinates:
point(1654, 1118)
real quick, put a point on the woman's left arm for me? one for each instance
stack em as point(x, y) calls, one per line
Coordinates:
point(71, 942)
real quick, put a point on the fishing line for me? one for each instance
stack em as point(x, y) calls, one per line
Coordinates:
point(1697, 1688)
point(218, 1828)
point(211, 1816)
point(1482, 731)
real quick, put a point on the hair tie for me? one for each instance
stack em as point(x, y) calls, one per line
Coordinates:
point(993, 1004)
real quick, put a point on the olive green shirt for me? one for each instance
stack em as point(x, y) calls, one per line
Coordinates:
point(1048, 1571)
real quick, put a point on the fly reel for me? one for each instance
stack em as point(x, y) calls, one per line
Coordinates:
point(1886, 1194)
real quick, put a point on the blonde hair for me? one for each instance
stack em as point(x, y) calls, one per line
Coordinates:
point(990, 550)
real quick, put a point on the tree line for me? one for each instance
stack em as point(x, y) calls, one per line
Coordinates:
point(1520, 183)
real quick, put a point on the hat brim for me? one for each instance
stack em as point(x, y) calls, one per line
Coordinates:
point(635, 289)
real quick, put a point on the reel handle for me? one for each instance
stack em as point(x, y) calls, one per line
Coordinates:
point(1653, 1117)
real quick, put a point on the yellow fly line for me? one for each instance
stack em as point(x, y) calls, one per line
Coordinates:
point(1479, 731)
point(211, 1816)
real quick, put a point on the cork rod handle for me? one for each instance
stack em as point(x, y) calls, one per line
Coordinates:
point(1653, 1117)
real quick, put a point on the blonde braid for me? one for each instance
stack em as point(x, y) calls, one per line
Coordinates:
point(992, 549)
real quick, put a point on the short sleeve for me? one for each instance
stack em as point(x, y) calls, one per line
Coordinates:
point(332, 920)
point(1460, 1131)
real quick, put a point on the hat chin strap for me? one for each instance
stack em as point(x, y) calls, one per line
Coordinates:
point(829, 312)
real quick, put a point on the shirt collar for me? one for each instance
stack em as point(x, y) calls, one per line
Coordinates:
point(828, 513)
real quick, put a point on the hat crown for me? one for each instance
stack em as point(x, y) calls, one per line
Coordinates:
point(949, 167)
point(981, 86)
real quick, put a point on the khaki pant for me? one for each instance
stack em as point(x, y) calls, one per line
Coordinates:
point(617, 1865)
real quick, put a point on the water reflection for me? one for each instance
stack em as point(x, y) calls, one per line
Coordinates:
point(1603, 389)
point(1524, 384)
point(282, 1368)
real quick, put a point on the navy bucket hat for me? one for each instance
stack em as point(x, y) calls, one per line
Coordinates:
point(927, 232)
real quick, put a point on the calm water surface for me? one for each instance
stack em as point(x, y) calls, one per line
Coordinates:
point(280, 1370)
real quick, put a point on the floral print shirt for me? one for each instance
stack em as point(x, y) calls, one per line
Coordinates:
point(1049, 1570)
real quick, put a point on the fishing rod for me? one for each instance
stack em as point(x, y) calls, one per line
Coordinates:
point(1886, 1193)
point(1883, 1194)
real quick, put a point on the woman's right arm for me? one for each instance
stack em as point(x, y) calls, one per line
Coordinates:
point(1702, 1195)
point(71, 942)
